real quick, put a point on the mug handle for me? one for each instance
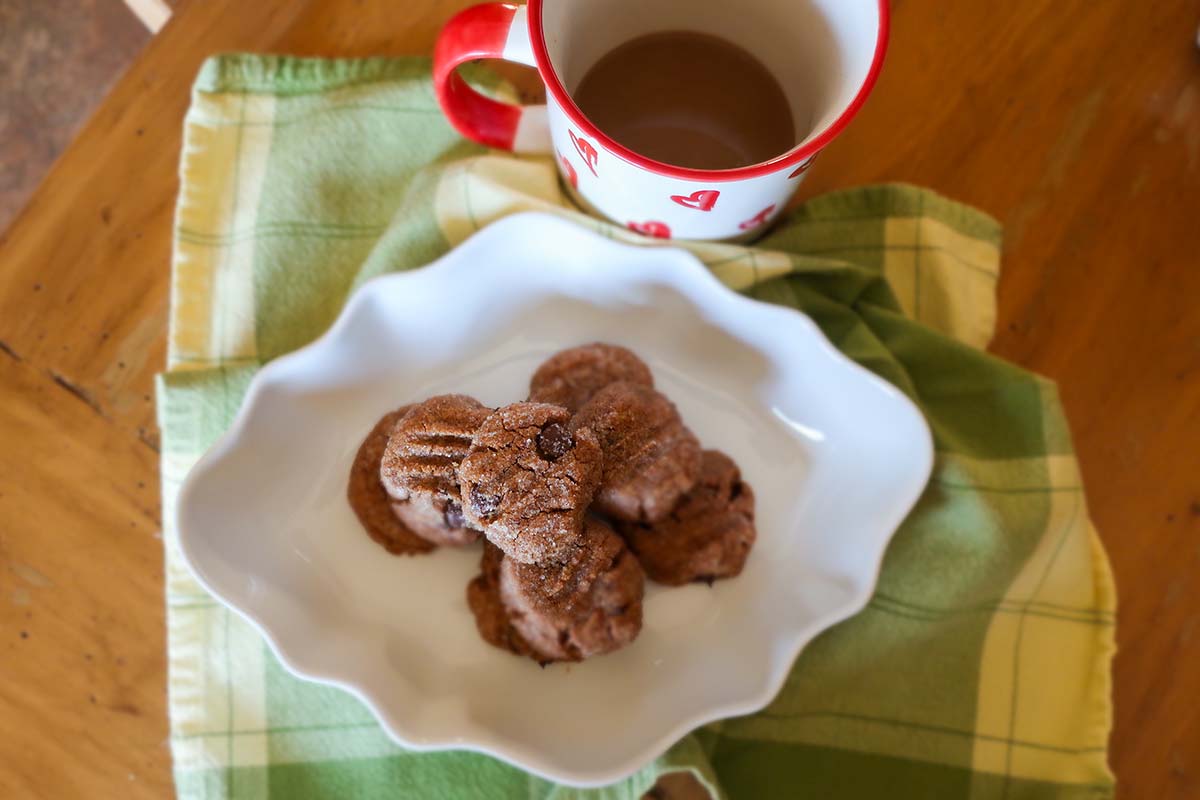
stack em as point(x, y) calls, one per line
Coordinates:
point(490, 30)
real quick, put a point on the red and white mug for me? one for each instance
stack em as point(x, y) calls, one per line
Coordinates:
point(825, 53)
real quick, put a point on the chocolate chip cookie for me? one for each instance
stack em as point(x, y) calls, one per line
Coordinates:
point(707, 536)
point(435, 518)
point(650, 457)
point(491, 617)
point(570, 378)
point(585, 605)
point(370, 501)
point(528, 479)
point(419, 466)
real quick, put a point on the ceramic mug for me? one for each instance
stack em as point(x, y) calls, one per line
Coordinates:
point(826, 55)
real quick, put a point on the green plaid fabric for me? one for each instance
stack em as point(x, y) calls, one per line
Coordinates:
point(980, 669)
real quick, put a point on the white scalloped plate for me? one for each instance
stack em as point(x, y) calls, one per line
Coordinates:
point(836, 456)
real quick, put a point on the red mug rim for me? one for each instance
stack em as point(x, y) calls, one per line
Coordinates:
point(794, 156)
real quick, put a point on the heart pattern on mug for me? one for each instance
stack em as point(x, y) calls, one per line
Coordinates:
point(586, 150)
point(757, 219)
point(804, 165)
point(569, 170)
point(701, 200)
point(659, 230)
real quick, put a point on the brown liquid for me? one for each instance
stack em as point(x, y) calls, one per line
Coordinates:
point(688, 99)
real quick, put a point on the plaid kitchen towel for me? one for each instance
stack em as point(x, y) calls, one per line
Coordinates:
point(979, 670)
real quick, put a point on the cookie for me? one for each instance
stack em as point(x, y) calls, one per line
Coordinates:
point(435, 518)
point(588, 604)
point(651, 459)
point(528, 480)
point(419, 468)
point(707, 536)
point(370, 501)
point(483, 598)
point(571, 377)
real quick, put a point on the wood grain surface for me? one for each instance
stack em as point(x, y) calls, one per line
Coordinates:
point(1076, 123)
point(57, 59)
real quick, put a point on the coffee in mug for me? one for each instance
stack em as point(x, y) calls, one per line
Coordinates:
point(689, 99)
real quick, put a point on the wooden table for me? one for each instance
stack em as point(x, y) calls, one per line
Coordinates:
point(1077, 123)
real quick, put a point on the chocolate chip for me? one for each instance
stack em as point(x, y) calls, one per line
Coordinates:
point(453, 515)
point(554, 441)
point(484, 505)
